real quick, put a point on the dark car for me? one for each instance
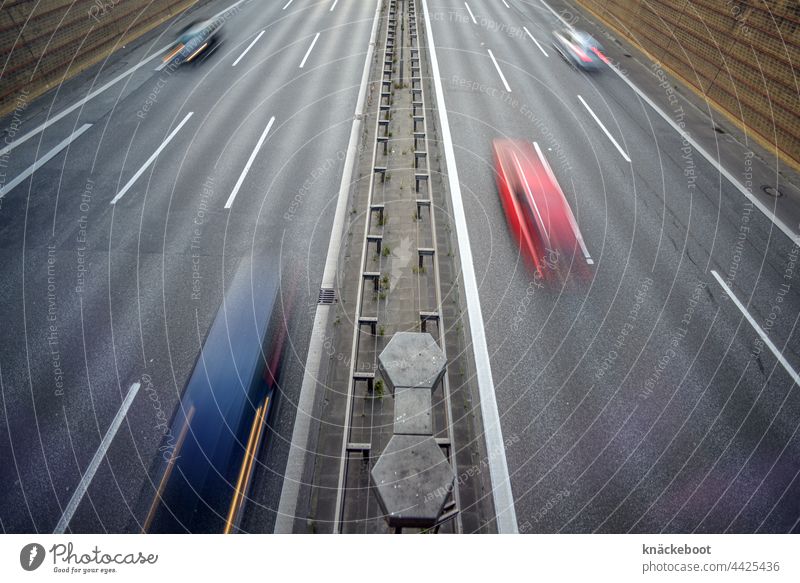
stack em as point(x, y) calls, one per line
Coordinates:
point(209, 453)
point(195, 41)
point(580, 49)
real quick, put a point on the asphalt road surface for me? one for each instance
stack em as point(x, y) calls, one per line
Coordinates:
point(640, 400)
point(658, 395)
point(98, 296)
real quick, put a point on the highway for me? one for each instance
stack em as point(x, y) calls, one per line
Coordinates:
point(658, 394)
point(116, 254)
point(642, 400)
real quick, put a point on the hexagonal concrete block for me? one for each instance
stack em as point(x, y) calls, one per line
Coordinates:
point(412, 479)
point(412, 359)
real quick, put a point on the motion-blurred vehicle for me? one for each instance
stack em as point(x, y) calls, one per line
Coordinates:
point(579, 48)
point(538, 214)
point(208, 454)
point(201, 37)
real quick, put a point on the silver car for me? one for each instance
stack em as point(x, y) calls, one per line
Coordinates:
point(579, 48)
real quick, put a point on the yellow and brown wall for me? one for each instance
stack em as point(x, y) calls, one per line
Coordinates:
point(43, 42)
point(742, 55)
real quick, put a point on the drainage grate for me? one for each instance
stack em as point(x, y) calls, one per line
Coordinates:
point(326, 296)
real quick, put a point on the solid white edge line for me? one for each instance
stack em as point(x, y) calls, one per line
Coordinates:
point(249, 163)
point(150, 160)
point(99, 455)
point(308, 52)
point(335, 2)
point(498, 467)
point(496, 66)
point(757, 328)
point(250, 46)
point(287, 5)
point(605, 131)
point(541, 48)
point(97, 91)
point(506, 3)
point(793, 236)
point(296, 460)
point(471, 15)
point(78, 104)
point(572, 221)
point(43, 160)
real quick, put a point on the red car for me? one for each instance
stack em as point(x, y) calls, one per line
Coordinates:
point(537, 211)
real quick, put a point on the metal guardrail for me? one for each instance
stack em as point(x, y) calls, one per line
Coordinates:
point(365, 326)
